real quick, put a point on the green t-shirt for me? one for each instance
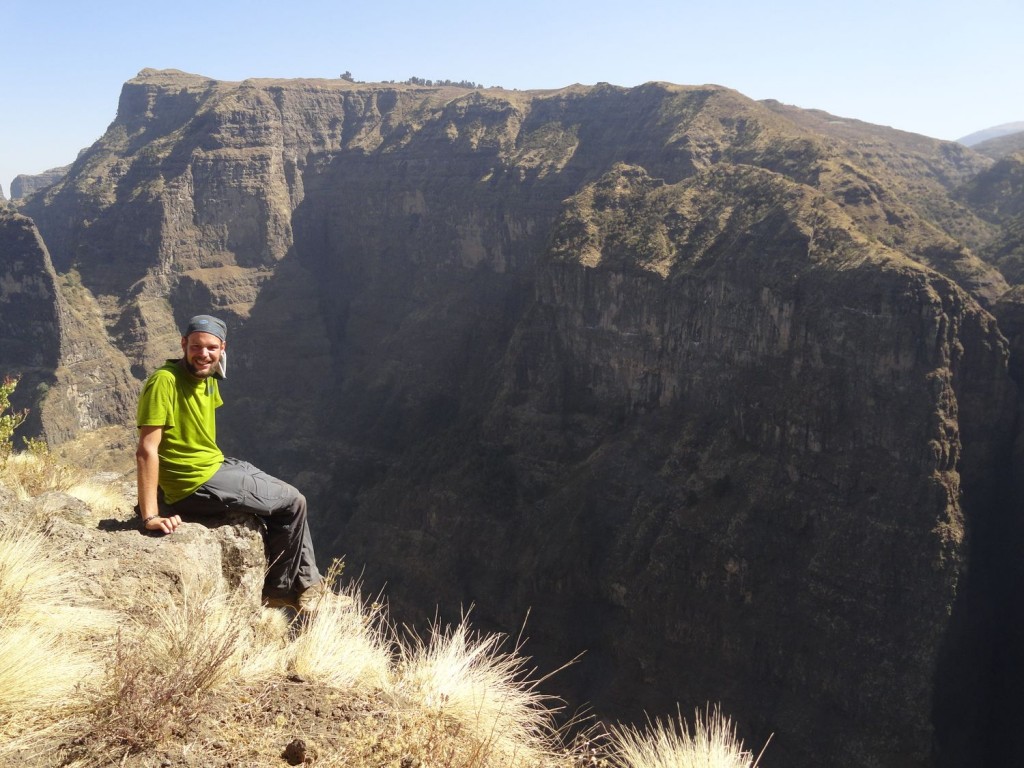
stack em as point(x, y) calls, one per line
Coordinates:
point(185, 408)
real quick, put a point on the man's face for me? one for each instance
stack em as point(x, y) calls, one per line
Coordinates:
point(202, 352)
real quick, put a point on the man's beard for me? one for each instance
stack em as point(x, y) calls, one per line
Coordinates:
point(195, 372)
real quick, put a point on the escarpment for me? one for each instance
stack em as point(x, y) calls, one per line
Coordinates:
point(718, 392)
point(25, 185)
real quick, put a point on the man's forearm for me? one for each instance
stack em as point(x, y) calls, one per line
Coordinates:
point(147, 468)
point(148, 473)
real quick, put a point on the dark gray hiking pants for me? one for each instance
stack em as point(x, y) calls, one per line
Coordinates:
point(238, 486)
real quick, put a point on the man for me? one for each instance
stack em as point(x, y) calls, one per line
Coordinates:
point(182, 471)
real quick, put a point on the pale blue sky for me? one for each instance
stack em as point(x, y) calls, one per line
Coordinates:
point(941, 68)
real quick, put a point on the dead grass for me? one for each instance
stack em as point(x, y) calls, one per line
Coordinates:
point(711, 743)
point(36, 471)
point(460, 695)
point(219, 636)
point(347, 643)
point(143, 702)
point(50, 648)
point(102, 498)
point(37, 589)
point(38, 667)
point(168, 658)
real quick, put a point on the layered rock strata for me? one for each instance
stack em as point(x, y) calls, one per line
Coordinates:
point(707, 387)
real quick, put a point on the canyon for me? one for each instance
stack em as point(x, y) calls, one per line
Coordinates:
point(718, 397)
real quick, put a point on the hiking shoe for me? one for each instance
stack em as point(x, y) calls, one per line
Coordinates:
point(312, 598)
point(281, 601)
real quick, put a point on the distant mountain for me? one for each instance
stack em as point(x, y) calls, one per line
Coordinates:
point(991, 133)
point(1001, 146)
point(28, 184)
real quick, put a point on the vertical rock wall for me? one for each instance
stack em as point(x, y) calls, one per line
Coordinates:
point(51, 337)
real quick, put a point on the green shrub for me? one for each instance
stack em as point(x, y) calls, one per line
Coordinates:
point(8, 421)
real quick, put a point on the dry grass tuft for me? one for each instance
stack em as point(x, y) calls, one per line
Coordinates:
point(346, 643)
point(220, 637)
point(143, 702)
point(50, 649)
point(37, 589)
point(103, 499)
point(165, 663)
point(38, 667)
point(468, 703)
point(36, 471)
point(713, 743)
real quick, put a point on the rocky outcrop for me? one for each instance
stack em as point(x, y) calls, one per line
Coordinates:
point(708, 387)
point(28, 184)
point(123, 568)
point(123, 565)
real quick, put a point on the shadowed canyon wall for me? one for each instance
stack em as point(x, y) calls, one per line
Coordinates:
point(719, 393)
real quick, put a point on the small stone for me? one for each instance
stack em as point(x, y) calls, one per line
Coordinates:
point(295, 752)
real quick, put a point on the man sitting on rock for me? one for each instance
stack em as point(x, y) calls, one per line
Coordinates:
point(182, 471)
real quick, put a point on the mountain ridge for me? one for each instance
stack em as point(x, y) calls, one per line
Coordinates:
point(619, 334)
point(987, 134)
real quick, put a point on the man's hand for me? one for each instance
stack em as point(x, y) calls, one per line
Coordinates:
point(165, 524)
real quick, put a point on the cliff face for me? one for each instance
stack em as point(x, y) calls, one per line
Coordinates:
point(52, 338)
point(708, 459)
point(707, 386)
point(793, 473)
point(24, 185)
point(30, 329)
